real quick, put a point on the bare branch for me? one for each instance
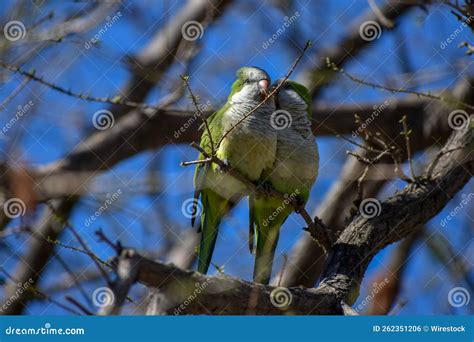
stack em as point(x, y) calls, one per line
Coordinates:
point(355, 79)
point(318, 76)
point(127, 274)
point(199, 113)
point(400, 215)
point(224, 295)
point(117, 100)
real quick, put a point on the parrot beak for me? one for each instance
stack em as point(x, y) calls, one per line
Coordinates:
point(263, 86)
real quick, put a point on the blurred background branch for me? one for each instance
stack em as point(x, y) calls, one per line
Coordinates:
point(115, 167)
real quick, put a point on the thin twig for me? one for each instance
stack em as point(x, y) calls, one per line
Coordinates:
point(14, 93)
point(38, 294)
point(368, 162)
point(394, 154)
point(48, 298)
point(199, 112)
point(103, 238)
point(127, 275)
point(118, 100)
point(73, 276)
point(79, 305)
point(201, 161)
point(66, 224)
point(334, 67)
point(360, 186)
point(406, 133)
point(338, 135)
point(76, 249)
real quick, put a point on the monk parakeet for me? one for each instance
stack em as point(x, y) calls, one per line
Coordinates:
point(249, 148)
point(293, 174)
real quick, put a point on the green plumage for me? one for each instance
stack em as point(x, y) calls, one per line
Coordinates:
point(293, 173)
point(217, 191)
point(214, 207)
point(268, 220)
point(285, 159)
point(302, 91)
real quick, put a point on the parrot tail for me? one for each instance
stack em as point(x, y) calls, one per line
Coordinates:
point(214, 209)
point(269, 215)
point(251, 224)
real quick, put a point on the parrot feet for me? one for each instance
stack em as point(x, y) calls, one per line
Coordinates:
point(299, 203)
point(266, 188)
point(418, 182)
point(223, 168)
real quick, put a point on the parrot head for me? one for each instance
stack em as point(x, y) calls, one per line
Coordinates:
point(294, 97)
point(252, 84)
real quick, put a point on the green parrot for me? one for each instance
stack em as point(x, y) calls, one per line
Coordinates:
point(249, 148)
point(293, 174)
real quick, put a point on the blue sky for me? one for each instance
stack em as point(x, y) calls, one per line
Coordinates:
point(58, 123)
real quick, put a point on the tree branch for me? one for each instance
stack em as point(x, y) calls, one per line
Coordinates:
point(195, 293)
point(316, 77)
point(401, 215)
point(151, 64)
point(137, 131)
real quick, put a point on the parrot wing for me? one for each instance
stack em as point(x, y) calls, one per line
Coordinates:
point(214, 207)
